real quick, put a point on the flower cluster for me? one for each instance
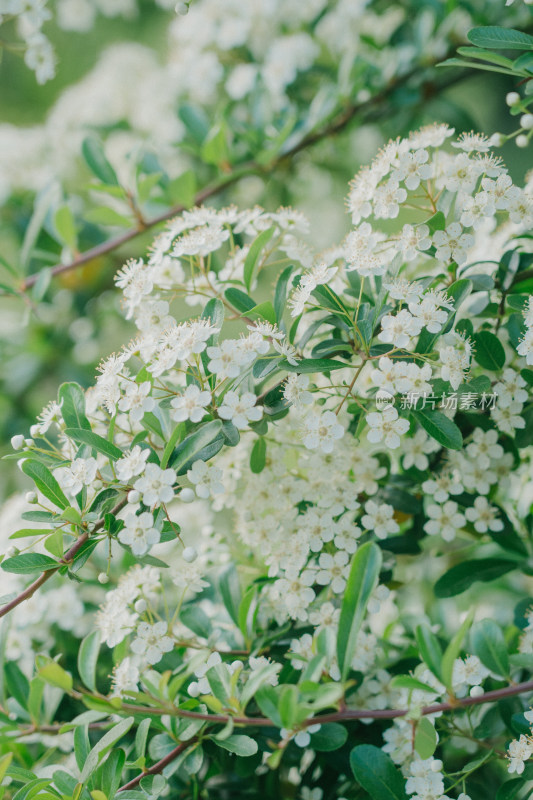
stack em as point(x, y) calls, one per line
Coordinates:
point(266, 497)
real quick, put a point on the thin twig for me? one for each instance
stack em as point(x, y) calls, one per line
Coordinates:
point(341, 121)
point(67, 558)
point(160, 766)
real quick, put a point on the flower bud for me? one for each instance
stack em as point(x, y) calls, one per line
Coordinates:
point(476, 691)
point(512, 98)
point(17, 442)
point(436, 765)
point(103, 578)
point(522, 140)
point(11, 551)
point(526, 121)
point(187, 495)
point(35, 430)
point(497, 139)
point(29, 442)
point(140, 605)
point(190, 554)
point(30, 497)
point(134, 496)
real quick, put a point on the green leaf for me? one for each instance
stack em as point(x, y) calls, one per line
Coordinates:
point(408, 682)
point(55, 675)
point(93, 153)
point(430, 649)
point(103, 746)
point(239, 300)
point(26, 563)
point(239, 744)
point(45, 482)
point(314, 365)
point(489, 352)
point(88, 658)
point(230, 590)
point(24, 533)
point(364, 574)
point(72, 400)
point(489, 645)
point(215, 147)
point(5, 761)
point(104, 215)
point(175, 437)
point(66, 227)
point(183, 189)
point(460, 577)
point(258, 455)
point(425, 738)
point(83, 436)
point(252, 257)
point(440, 428)
point(191, 447)
point(495, 38)
point(375, 772)
point(17, 683)
point(452, 651)
point(461, 62)
point(280, 294)
point(331, 736)
point(146, 184)
point(264, 311)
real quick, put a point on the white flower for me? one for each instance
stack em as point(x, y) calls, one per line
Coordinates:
point(300, 738)
point(155, 485)
point(295, 390)
point(240, 409)
point(321, 430)
point(287, 350)
point(387, 427)
point(469, 671)
point(379, 518)
point(416, 450)
point(80, 473)
point(412, 167)
point(190, 405)
point(442, 486)
point(333, 570)
point(133, 463)
point(484, 516)
point(399, 329)
point(125, 677)
point(189, 576)
point(137, 401)
point(445, 520)
point(519, 751)
point(152, 641)
point(484, 447)
point(226, 359)
point(525, 346)
point(508, 419)
point(452, 243)
point(206, 479)
point(139, 533)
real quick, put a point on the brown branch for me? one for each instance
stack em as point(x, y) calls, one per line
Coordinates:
point(160, 766)
point(67, 558)
point(346, 714)
point(338, 124)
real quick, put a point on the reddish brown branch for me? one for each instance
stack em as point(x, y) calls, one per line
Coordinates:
point(338, 124)
point(67, 558)
point(160, 766)
point(346, 714)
